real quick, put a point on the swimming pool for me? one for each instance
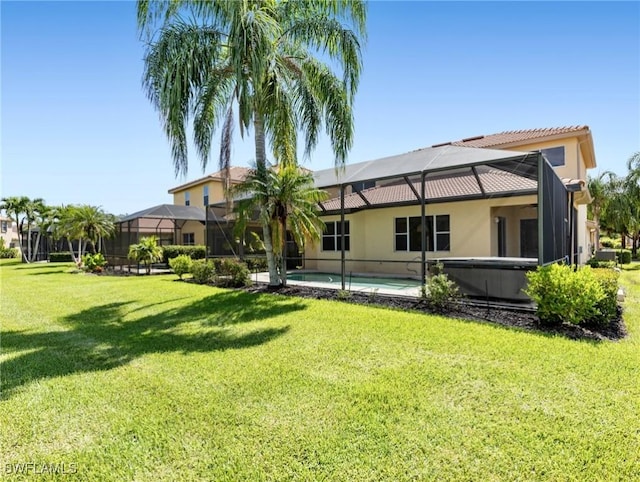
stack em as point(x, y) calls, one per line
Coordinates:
point(355, 281)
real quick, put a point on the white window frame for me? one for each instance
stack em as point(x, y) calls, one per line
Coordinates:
point(205, 195)
point(187, 198)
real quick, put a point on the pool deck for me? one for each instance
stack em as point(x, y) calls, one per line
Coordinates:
point(410, 292)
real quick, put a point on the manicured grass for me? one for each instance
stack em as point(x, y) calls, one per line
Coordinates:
point(147, 378)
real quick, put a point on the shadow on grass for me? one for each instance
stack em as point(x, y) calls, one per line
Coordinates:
point(45, 265)
point(61, 269)
point(100, 338)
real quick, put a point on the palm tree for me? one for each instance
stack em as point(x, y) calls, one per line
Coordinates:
point(632, 187)
point(598, 189)
point(287, 200)
point(32, 210)
point(146, 251)
point(14, 206)
point(84, 224)
point(255, 58)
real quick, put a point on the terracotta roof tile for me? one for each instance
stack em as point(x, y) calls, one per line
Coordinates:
point(441, 186)
point(510, 137)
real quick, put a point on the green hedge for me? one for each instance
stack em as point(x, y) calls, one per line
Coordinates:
point(62, 257)
point(173, 251)
point(624, 256)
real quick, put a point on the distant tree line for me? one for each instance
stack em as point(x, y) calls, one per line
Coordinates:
point(616, 203)
point(85, 225)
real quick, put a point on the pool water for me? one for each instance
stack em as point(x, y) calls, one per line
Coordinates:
point(356, 281)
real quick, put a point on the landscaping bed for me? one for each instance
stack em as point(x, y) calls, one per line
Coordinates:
point(514, 317)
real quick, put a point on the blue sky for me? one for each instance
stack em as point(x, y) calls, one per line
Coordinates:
point(76, 126)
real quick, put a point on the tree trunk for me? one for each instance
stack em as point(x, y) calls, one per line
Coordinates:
point(20, 229)
point(29, 243)
point(35, 250)
point(283, 265)
point(274, 279)
point(261, 162)
point(73, 255)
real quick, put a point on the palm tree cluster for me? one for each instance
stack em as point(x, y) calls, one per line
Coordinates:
point(211, 62)
point(286, 199)
point(616, 203)
point(88, 225)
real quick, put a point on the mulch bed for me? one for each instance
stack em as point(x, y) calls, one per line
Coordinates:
point(512, 317)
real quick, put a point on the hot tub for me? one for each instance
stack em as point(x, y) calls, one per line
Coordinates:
point(490, 277)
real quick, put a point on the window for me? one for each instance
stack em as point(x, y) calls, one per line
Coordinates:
point(555, 155)
point(361, 186)
point(408, 233)
point(205, 192)
point(332, 239)
point(4, 226)
point(187, 198)
point(188, 239)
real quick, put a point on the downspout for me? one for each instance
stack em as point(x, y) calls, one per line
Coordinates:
point(572, 230)
point(342, 254)
point(423, 230)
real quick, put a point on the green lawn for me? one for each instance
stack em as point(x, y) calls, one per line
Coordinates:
point(146, 378)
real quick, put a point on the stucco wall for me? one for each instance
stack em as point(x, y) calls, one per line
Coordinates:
point(473, 232)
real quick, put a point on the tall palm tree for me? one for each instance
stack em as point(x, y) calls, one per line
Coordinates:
point(32, 210)
point(15, 206)
point(287, 200)
point(254, 59)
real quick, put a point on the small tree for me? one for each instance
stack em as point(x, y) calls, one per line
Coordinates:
point(146, 251)
point(181, 265)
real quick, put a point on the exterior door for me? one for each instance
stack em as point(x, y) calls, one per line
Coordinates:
point(529, 238)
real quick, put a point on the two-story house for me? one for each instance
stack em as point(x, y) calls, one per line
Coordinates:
point(473, 209)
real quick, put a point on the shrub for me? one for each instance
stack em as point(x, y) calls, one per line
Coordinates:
point(231, 273)
point(624, 256)
point(608, 306)
point(181, 265)
point(564, 295)
point(608, 242)
point(439, 290)
point(203, 271)
point(194, 252)
point(94, 262)
point(598, 263)
point(62, 257)
point(257, 264)
point(7, 253)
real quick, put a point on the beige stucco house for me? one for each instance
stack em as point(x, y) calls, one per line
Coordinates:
point(481, 199)
point(9, 232)
point(477, 210)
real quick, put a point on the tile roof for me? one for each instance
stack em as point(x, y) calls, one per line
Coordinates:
point(511, 137)
point(438, 187)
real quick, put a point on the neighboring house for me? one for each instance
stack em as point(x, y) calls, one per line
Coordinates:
point(208, 189)
point(9, 232)
point(474, 207)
